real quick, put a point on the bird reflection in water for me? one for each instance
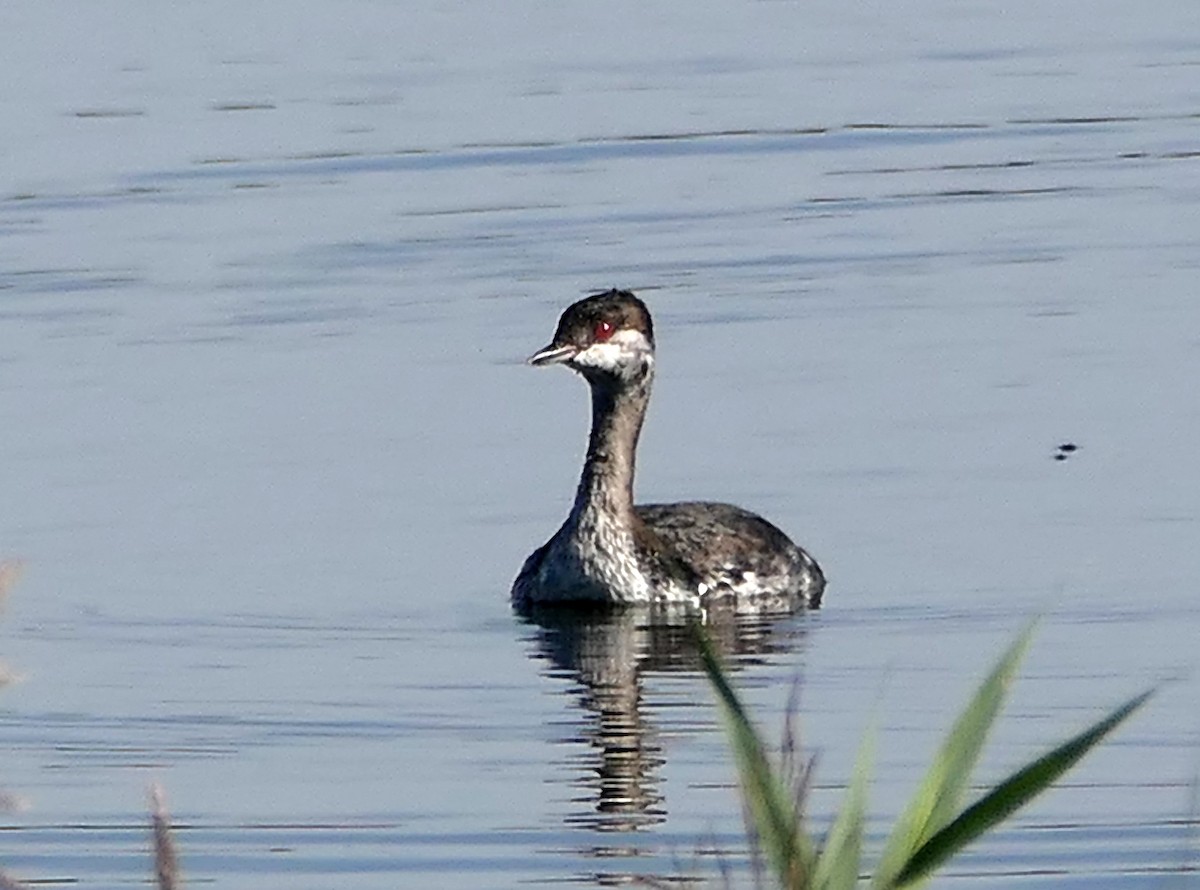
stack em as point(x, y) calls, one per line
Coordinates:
point(608, 654)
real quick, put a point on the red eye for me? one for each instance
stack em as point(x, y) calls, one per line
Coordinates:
point(604, 330)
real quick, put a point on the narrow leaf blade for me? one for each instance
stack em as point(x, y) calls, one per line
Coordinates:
point(768, 798)
point(941, 791)
point(840, 860)
point(1012, 794)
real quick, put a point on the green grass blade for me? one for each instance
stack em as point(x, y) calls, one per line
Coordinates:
point(941, 792)
point(768, 797)
point(840, 860)
point(1012, 794)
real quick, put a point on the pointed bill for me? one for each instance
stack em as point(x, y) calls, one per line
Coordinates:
point(553, 355)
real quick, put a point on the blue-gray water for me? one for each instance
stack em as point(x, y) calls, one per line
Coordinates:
point(271, 458)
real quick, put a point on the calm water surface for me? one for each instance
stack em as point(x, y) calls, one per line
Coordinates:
point(272, 460)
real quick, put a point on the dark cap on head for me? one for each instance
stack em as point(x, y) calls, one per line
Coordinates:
point(595, 319)
point(620, 308)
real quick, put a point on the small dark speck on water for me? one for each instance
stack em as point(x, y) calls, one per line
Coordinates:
point(1065, 450)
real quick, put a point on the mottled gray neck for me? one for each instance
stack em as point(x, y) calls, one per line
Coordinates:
point(618, 409)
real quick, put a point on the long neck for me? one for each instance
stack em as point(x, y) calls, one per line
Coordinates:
point(618, 409)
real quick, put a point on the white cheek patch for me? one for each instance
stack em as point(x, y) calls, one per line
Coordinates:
point(617, 352)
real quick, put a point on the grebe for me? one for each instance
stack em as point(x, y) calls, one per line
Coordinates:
point(610, 551)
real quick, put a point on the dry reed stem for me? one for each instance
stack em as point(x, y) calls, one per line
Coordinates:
point(10, 571)
point(166, 862)
point(13, 803)
point(7, 675)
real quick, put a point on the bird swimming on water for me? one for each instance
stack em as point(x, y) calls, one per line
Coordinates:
point(610, 550)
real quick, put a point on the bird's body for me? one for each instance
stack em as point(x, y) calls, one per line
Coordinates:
point(610, 550)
